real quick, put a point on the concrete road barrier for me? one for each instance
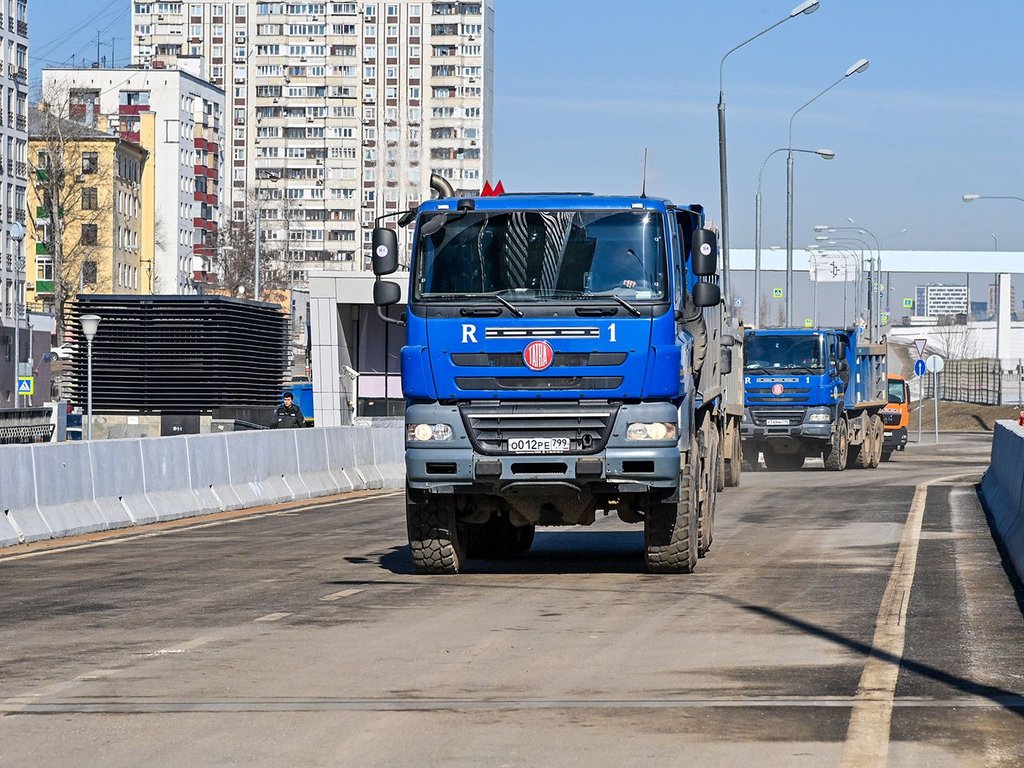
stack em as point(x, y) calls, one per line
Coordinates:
point(62, 489)
point(1002, 487)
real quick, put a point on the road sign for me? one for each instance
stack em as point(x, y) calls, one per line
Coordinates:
point(26, 386)
point(935, 364)
point(920, 368)
point(737, 302)
point(808, 322)
point(776, 293)
point(24, 369)
point(884, 318)
point(908, 303)
point(920, 344)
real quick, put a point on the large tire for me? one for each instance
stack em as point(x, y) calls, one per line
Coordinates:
point(722, 450)
point(435, 535)
point(525, 540)
point(835, 453)
point(877, 429)
point(886, 454)
point(786, 462)
point(709, 496)
point(733, 457)
point(670, 527)
point(497, 539)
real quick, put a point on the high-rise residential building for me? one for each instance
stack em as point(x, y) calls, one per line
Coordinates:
point(339, 112)
point(185, 154)
point(14, 331)
point(91, 198)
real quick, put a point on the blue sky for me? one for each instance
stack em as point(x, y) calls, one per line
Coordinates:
point(583, 86)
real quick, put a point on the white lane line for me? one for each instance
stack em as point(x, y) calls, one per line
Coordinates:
point(273, 617)
point(169, 531)
point(338, 595)
point(867, 736)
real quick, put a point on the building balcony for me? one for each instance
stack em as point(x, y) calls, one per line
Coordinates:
point(44, 287)
point(43, 249)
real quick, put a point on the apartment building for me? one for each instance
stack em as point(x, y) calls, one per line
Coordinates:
point(14, 331)
point(94, 193)
point(339, 112)
point(184, 154)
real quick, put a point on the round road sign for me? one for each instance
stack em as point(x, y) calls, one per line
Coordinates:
point(919, 368)
point(935, 364)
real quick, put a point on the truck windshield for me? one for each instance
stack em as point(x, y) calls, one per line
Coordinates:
point(896, 391)
point(540, 255)
point(768, 352)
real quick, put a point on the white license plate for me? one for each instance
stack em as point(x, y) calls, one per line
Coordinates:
point(538, 445)
point(777, 422)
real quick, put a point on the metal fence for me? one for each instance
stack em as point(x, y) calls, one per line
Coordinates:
point(982, 381)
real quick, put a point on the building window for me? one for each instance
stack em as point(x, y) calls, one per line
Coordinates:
point(88, 234)
point(90, 199)
point(90, 162)
point(89, 272)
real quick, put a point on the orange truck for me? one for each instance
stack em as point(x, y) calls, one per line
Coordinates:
point(896, 416)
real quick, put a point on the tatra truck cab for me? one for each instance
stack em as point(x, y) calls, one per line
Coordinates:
point(814, 392)
point(564, 357)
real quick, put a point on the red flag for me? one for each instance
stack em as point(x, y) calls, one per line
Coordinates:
point(487, 191)
point(499, 188)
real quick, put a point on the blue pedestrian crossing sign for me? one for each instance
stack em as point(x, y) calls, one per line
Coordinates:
point(26, 386)
point(919, 367)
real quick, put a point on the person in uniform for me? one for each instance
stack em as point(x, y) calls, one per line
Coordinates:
point(288, 415)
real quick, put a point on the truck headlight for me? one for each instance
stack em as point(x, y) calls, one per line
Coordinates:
point(819, 417)
point(657, 430)
point(424, 432)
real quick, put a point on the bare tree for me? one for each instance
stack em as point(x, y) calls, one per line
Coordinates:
point(957, 342)
point(69, 211)
point(235, 252)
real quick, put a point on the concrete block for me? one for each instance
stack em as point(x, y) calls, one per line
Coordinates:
point(166, 473)
point(389, 455)
point(118, 487)
point(365, 461)
point(341, 459)
point(1002, 487)
point(64, 489)
point(19, 516)
point(259, 462)
point(314, 463)
point(210, 471)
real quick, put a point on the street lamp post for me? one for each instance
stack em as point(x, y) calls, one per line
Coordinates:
point(875, 281)
point(806, 7)
point(260, 174)
point(90, 324)
point(17, 234)
point(863, 246)
point(825, 154)
point(858, 66)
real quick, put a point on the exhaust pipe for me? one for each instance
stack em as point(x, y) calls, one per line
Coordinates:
point(440, 185)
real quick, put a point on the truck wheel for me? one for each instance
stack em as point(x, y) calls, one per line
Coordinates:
point(750, 457)
point(886, 454)
point(722, 449)
point(435, 536)
point(733, 457)
point(670, 527)
point(877, 429)
point(525, 539)
point(859, 456)
point(835, 453)
point(709, 495)
point(783, 461)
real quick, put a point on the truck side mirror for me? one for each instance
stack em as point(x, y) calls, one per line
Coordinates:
point(386, 293)
point(706, 294)
point(384, 255)
point(704, 253)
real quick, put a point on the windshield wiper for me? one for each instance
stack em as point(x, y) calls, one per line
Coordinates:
point(508, 304)
point(629, 307)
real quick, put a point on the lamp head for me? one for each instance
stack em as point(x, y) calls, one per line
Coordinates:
point(858, 66)
point(825, 154)
point(90, 323)
point(17, 231)
point(821, 227)
point(821, 238)
point(808, 6)
point(970, 198)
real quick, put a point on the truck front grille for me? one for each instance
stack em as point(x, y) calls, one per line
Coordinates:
point(491, 425)
point(493, 383)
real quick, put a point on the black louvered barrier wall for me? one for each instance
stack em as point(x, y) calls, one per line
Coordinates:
point(180, 354)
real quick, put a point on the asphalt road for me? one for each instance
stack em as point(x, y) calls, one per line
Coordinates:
point(856, 618)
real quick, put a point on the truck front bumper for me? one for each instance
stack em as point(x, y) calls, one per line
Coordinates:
point(895, 439)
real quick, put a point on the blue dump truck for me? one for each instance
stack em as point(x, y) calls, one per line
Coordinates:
point(813, 392)
point(565, 356)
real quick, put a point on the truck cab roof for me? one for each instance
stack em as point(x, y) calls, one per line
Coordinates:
point(554, 200)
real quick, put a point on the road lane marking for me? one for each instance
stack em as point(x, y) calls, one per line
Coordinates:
point(867, 735)
point(338, 595)
point(273, 617)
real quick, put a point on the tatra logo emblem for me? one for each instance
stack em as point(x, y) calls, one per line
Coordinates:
point(538, 355)
point(777, 389)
